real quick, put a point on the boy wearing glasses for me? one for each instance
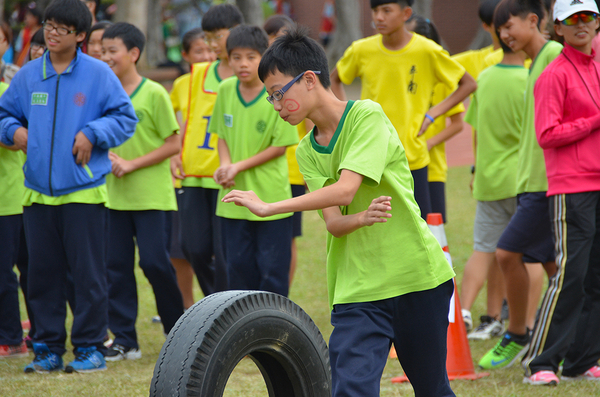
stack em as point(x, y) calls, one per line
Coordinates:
point(66, 123)
point(252, 144)
point(389, 282)
point(200, 227)
point(567, 125)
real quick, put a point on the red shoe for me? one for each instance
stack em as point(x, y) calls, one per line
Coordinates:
point(591, 374)
point(10, 351)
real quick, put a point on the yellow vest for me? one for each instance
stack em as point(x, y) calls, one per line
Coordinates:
point(199, 154)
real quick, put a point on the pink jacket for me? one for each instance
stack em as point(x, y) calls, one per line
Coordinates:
point(567, 122)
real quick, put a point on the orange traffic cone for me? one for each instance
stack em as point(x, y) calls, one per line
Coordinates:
point(459, 363)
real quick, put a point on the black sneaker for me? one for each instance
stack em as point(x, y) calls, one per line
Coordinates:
point(119, 352)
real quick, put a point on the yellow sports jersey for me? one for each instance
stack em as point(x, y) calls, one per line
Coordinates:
point(199, 154)
point(437, 170)
point(293, 169)
point(180, 98)
point(474, 60)
point(180, 95)
point(402, 82)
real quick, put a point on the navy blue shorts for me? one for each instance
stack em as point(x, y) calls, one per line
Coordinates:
point(297, 190)
point(529, 231)
point(421, 191)
point(437, 193)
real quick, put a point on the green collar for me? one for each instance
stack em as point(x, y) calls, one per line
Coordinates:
point(252, 102)
point(138, 88)
point(329, 148)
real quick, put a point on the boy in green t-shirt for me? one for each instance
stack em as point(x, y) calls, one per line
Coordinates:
point(528, 236)
point(141, 196)
point(200, 227)
point(381, 280)
point(399, 70)
point(496, 115)
point(252, 144)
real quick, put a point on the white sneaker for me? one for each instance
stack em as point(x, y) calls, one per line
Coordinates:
point(466, 315)
point(489, 327)
point(119, 352)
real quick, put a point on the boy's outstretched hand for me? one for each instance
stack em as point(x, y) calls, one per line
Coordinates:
point(377, 211)
point(249, 200)
point(82, 149)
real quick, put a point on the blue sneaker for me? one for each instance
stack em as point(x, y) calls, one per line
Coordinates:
point(45, 361)
point(87, 359)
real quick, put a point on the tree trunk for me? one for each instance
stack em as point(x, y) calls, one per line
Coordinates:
point(347, 29)
point(155, 44)
point(482, 39)
point(423, 8)
point(252, 11)
point(135, 12)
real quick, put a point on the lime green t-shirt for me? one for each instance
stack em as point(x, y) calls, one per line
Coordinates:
point(211, 84)
point(148, 188)
point(531, 175)
point(496, 113)
point(387, 259)
point(12, 180)
point(94, 195)
point(248, 129)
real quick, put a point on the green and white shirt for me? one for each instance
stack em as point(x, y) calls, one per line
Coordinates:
point(148, 188)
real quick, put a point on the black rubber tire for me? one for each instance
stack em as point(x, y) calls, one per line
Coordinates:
point(211, 338)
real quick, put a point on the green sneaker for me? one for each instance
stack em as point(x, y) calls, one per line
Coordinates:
point(504, 354)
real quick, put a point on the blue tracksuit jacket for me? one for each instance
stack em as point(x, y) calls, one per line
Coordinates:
point(86, 97)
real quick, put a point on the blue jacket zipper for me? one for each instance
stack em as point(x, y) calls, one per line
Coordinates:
point(52, 144)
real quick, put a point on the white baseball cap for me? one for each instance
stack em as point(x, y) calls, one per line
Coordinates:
point(565, 8)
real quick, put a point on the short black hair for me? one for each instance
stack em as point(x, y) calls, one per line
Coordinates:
point(38, 38)
point(222, 16)
point(405, 3)
point(486, 11)
point(246, 36)
point(70, 13)
point(189, 37)
point(103, 25)
point(425, 27)
point(131, 36)
point(294, 53)
point(276, 22)
point(517, 8)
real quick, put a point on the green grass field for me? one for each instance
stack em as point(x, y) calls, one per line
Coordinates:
point(132, 378)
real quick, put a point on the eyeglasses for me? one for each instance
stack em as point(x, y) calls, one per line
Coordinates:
point(278, 95)
point(585, 17)
point(59, 30)
point(209, 39)
point(37, 47)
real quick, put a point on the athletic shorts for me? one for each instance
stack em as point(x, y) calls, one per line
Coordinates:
point(491, 218)
point(529, 232)
point(297, 190)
